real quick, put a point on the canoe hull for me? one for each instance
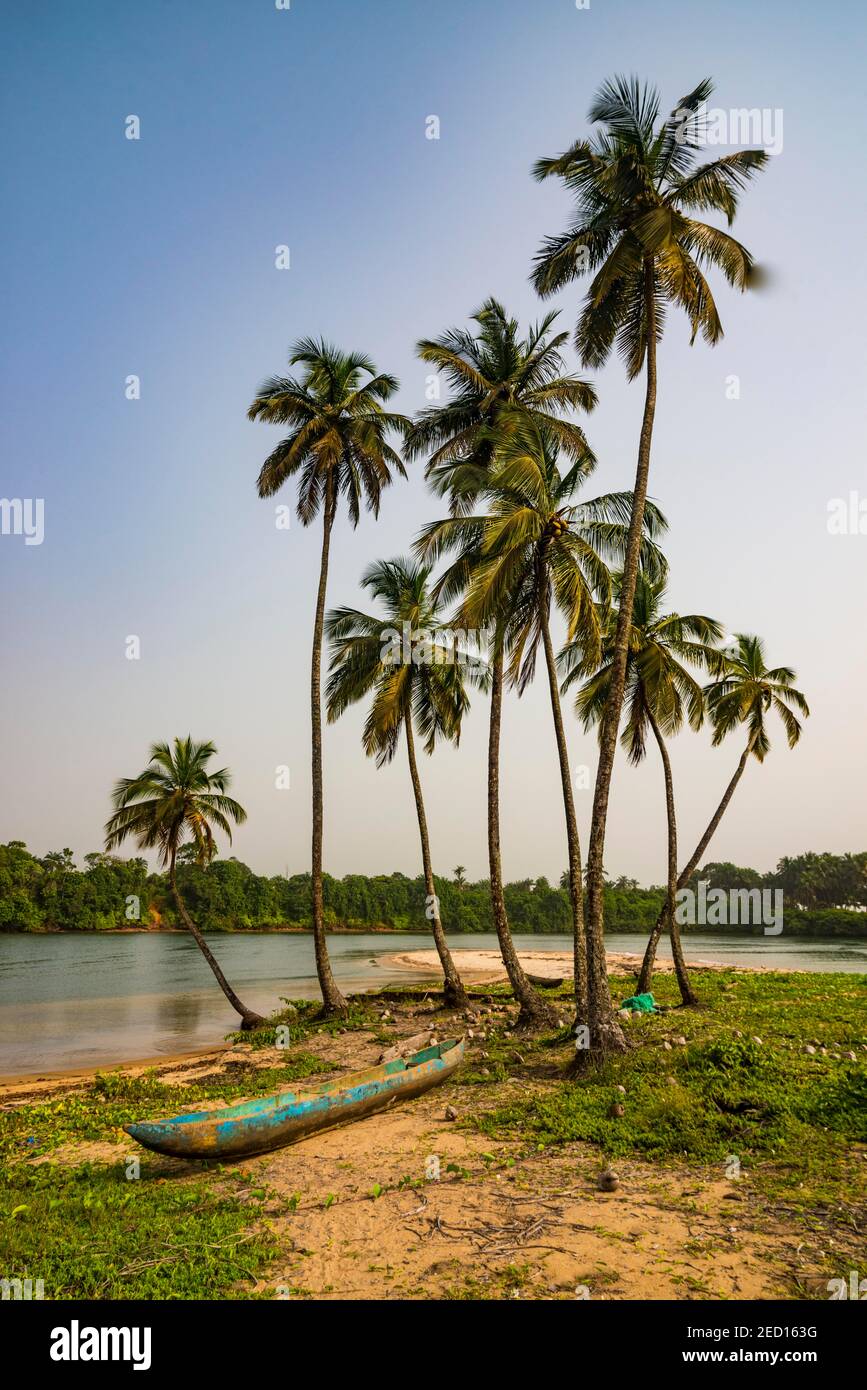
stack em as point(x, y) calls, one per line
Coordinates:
point(274, 1121)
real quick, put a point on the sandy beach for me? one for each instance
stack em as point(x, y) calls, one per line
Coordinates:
point(487, 966)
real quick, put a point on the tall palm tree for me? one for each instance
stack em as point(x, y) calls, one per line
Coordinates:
point(636, 185)
point(744, 694)
point(536, 545)
point(489, 368)
point(175, 799)
point(660, 693)
point(337, 445)
point(407, 661)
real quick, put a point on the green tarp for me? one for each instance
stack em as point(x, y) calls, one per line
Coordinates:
point(645, 1003)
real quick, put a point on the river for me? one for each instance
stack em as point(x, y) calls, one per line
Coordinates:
point(70, 1001)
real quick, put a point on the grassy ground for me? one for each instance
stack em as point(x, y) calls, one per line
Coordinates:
point(741, 1087)
point(741, 1096)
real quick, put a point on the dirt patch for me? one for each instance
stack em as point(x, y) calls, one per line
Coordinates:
point(539, 1228)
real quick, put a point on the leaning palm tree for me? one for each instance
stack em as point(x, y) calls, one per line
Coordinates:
point(408, 662)
point(337, 445)
point(534, 547)
point(660, 693)
point(745, 692)
point(176, 799)
point(635, 186)
point(488, 369)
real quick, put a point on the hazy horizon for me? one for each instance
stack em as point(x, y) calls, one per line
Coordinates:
point(156, 258)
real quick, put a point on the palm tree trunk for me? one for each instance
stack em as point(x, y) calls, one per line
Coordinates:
point(605, 1032)
point(333, 1001)
point(576, 886)
point(249, 1019)
point(534, 1012)
point(687, 873)
point(686, 991)
point(453, 989)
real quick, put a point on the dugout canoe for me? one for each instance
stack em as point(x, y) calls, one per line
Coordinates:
point(238, 1131)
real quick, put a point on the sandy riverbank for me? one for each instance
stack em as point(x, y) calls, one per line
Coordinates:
point(487, 966)
point(355, 1214)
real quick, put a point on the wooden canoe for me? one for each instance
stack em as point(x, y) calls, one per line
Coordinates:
point(237, 1131)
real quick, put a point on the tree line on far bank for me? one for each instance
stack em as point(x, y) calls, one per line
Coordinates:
point(822, 894)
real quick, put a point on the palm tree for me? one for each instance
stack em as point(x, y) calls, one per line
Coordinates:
point(635, 186)
point(745, 692)
point(488, 369)
point(460, 876)
point(536, 545)
point(337, 445)
point(406, 660)
point(660, 692)
point(177, 797)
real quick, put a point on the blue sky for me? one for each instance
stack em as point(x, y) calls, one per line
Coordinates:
point(155, 257)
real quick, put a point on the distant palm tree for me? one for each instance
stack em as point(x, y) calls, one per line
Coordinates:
point(660, 693)
point(337, 446)
point(174, 798)
point(536, 545)
point(407, 661)
point(490, 369)
point(460, 876)
point(635, 187)
point(744, 694)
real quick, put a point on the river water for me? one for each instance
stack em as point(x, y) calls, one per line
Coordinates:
point(77, 1000)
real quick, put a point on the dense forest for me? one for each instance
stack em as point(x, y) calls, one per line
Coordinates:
point(824, 894)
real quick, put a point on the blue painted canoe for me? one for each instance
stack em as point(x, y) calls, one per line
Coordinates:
point(238, 1131)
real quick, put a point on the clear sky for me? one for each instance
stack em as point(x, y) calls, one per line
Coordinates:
point(156, 257)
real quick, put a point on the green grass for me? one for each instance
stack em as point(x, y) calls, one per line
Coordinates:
point(89, 1232)
point(767, 1103)
point(302, 1018)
